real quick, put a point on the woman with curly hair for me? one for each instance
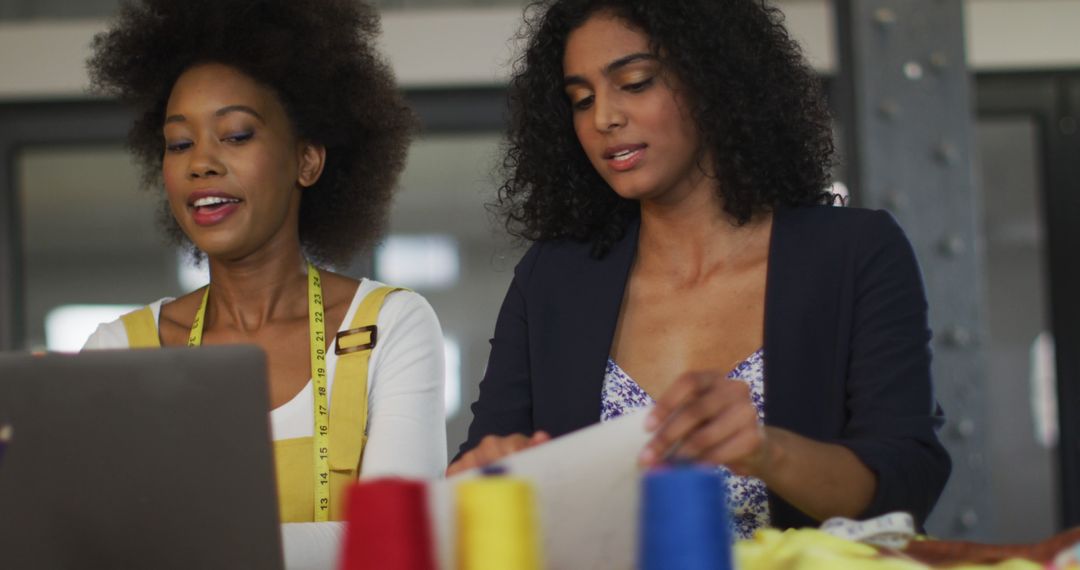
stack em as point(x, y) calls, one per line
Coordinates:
point(670, 161)
point(278, 134)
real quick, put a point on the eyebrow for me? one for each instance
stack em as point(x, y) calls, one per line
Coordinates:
point(220, 113)
point(611, 67)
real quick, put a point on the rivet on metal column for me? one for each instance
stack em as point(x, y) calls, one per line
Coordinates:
point(903, 99)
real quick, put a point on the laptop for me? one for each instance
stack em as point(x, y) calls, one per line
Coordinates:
point(138, 459)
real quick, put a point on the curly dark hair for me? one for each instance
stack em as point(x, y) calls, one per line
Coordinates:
point(755, 101)
point(318, 56)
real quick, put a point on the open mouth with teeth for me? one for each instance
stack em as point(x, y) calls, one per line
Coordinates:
point(211, 210)
point(213, 203)
point(625, 157)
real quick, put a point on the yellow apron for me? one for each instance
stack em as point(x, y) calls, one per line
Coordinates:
point(293, 458)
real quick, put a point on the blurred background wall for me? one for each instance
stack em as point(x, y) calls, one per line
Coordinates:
point(79, 244)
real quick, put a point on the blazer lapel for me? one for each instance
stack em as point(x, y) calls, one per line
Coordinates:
point(800, 330)
point(581, 327)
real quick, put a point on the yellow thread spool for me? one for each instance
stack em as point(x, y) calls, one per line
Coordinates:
point(496, 522)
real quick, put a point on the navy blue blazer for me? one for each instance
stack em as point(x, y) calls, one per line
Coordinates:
point(847, 355)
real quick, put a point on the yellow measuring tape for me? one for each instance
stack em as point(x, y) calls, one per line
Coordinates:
point(317, 334)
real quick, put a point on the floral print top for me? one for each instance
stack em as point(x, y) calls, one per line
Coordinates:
point(747, 496)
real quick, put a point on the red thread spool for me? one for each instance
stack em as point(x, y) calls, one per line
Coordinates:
point(388, 527)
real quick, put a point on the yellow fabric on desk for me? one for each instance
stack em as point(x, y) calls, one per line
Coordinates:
point(812, 549)
point(293, 458)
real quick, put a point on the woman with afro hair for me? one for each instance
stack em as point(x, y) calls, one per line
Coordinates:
point(670, 161)
point(278, 133)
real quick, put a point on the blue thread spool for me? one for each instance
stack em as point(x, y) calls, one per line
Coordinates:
point(685, 524)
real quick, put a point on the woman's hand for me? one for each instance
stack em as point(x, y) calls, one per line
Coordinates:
point(493, 448)
point(704, 416)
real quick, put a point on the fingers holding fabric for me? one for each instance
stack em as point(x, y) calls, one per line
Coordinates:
point(704, 416)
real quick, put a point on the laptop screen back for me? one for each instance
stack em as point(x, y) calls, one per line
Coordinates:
point(138, 459)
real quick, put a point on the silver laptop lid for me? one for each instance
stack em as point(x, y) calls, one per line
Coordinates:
point(138, 459)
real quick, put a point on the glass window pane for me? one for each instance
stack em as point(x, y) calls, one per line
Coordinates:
point(89, 233)
point(1020, 391)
